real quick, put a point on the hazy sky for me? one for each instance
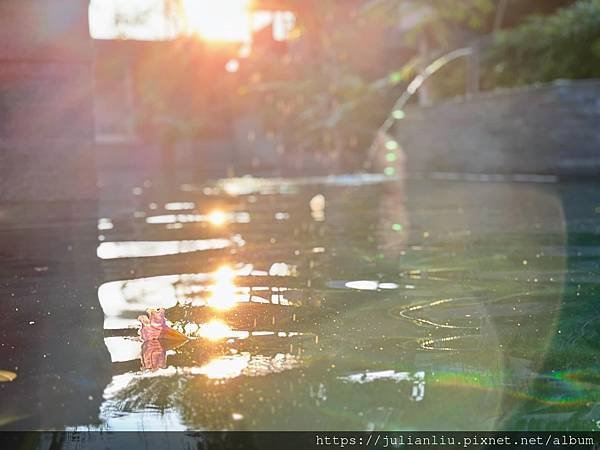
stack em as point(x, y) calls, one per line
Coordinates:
point(103, 13)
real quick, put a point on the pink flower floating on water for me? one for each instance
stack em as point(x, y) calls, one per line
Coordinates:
point(154, 326)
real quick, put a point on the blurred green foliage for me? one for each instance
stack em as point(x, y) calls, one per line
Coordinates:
point(351, 60)
point(544, 48)
point(324, 93)
point(347, 66)
point(174, 107)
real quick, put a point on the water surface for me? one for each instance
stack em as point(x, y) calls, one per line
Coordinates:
point(350, 302)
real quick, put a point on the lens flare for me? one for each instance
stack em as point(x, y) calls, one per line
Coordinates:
point(232, 66)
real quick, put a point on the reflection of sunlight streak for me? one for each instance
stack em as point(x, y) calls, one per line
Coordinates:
point(244, 364)
point(406, 313)
point(223, 293)
point(265, 186)
point(117, 384)
point(216, 218)
point(368, 285)
point(430, 344)
point(105, 224)
point(363, 285)
point(122, 301)
point(282, 270)
point(418, 379)
point(141, 249)
point(248, 185)
point(418, 388)
point(260, 365)
point(179, 206)
point(220, 368)
point(117, 297)
point(425, 322)
point(122, 348)
point(317, 207)
point(214, 330)
point(233, 188)
point(225, 367)
point(224, 275)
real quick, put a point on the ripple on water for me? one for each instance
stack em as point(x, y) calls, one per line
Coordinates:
point(445, 287)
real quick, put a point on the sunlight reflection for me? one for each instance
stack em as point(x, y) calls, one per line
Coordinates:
point(217, 218)
point(224, 275)
point(105, 224)
point(234, 366)
point(282, 270)
point(214, 330)
point(266, 186)
point(369, 285)
point(409, 313)
point(317, 207)
point(122, 301)
point(223, 292)
point(418, 379)
point(225, 367)
point(179, 206)
point(140, 249)
point(123, 348)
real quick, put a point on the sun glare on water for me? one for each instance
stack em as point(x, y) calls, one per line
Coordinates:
point(214, 330)
point(219, 20)
point(223, 291)
point(217, 218)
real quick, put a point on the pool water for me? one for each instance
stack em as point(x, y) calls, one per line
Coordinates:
point(352, 302)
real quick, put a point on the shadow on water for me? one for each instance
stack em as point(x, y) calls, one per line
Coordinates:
point(351, 302)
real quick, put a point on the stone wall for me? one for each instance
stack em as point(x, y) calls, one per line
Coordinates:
point(46, 125)
point(547, 129)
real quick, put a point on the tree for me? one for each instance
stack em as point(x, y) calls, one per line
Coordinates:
point(562, 45)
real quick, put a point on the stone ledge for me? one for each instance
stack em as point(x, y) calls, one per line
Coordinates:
point(548, 129)
point(45, 30)
point(536, 88)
